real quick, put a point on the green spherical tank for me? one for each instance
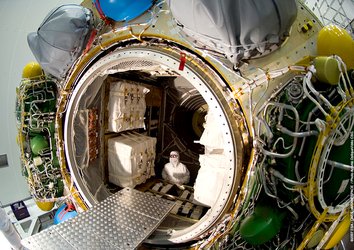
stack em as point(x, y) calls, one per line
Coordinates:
point(38, 144)
point(262, 225)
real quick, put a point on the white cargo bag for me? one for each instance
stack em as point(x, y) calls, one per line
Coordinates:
point(131, 159)
point(127, 106)
point(210, 179)
point(212, 137)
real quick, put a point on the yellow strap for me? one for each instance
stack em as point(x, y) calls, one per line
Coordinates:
point(313, 230)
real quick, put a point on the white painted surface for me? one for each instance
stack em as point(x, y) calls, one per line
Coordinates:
point(339, 12)
point(4, 244)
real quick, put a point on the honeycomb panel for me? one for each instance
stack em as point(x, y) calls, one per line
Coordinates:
point(122, 221)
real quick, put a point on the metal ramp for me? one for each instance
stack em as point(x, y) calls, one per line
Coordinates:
point(122, 221)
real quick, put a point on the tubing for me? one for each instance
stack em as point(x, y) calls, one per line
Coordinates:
point(282, 106)
point(284, 179)
point(296, 134)
point(339, 165)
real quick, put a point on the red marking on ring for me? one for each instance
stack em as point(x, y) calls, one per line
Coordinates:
point(90, 41)
point(182, 61)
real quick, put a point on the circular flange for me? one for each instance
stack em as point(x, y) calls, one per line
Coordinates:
point(209, 85)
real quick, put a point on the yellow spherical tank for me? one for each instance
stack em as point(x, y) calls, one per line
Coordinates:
point(45, 206)
point(333, 40)
point(32, 70)
point(339, 232)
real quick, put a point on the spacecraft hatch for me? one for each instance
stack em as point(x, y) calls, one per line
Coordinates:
point(260, 119)
point(174, 104)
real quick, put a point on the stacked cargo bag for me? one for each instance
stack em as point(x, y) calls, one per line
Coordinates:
point(148, 157)
point(127, 106)
point(61, 38)
point(129, 159)
point(124, 161)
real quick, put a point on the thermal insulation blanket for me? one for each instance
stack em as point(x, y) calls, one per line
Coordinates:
point(210, 178)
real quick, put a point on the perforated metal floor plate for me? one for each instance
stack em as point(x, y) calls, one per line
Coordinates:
point(122, 221)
